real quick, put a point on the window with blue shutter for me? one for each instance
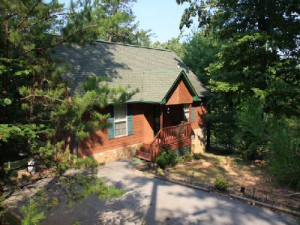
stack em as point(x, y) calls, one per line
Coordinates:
point(120, 121)
point(129, 120)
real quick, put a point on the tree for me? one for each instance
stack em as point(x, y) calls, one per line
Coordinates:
point(260, 49)
point(35, 109)
point(173, 45)
point(259, 54)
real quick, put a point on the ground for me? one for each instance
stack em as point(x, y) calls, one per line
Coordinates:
point(153, 201)
point(252, 175)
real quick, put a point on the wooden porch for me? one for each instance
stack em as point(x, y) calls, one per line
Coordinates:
point(170, 138)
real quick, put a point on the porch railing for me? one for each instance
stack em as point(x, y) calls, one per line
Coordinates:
point(169, 135)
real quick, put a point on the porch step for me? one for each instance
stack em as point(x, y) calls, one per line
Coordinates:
point(144, 153)
point(143, 156)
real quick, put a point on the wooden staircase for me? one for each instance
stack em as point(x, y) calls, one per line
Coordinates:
point(144, 152)
point(166, 138)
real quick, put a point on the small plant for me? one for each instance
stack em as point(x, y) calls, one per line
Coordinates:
point(221, 184)
point(197, 156)
point(31, 212)
point(160, 172)
point(188, 157)
point(179, 159)
point(88, 162)
point(162, 161)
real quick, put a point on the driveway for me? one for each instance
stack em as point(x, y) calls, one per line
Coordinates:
point(154, 201)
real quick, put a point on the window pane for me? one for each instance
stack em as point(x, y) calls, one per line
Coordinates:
point(120, 128)
point(120, 112)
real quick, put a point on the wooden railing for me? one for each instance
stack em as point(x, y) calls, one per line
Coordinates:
point(169, 135)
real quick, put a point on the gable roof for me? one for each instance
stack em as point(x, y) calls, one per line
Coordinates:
point(151, 71)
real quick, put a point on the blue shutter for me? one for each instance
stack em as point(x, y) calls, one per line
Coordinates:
point(111, 125)
point(129, 120)
point(193, 114)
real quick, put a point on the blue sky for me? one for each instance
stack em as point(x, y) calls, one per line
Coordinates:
point(161, 16)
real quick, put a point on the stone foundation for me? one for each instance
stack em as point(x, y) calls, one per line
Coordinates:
point(116, 154)
point(198, 141)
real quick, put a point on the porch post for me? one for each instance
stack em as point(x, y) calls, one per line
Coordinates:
point(161, 120)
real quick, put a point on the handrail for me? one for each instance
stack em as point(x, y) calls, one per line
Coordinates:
point(169, 135)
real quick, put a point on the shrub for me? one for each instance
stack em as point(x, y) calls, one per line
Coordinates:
point(166, 158)
point(197, 156)
point(162, 160)
point(188, 157)
point(160, 172)
point(221, 184)
point(85, 163)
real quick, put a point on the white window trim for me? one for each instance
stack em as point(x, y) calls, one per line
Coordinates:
point(121, 120)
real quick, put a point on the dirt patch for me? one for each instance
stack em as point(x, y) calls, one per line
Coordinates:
point(253, 177)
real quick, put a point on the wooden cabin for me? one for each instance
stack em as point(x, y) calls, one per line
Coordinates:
point(168, 110)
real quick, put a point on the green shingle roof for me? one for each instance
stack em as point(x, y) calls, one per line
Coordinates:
point(151, 71)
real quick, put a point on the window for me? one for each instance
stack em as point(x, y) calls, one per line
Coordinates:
point(120, 113)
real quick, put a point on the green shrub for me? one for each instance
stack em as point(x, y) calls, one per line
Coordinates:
point(188, 157)
point(87, 162)
point(221, 184)
point(179, 159)
point(197, 156)
point(166, 158)
point(160, 172)
point(162, 161)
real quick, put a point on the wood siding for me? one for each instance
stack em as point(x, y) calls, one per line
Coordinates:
point(199, 116)
point(100, 142)
point(180, 95)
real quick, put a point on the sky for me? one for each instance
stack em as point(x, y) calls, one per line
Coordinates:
point(161, 16)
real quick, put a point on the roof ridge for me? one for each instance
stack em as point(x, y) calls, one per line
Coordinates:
point(135, 46)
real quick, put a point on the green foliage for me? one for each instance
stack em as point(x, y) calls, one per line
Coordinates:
point(35, 110)
point(256, 58)
point(253, 124)
point(31, 213)
point(188, 157)
point(160, 172)
point(173, 44)
point(221, 184)
point(275, 139)
point(197, 156)
point(80, 186)
point(166, 158)
point(199, 53)
point(85, 163)
point(71, 189)
point(162, 161)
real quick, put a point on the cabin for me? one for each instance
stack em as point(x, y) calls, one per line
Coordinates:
point(166, 112)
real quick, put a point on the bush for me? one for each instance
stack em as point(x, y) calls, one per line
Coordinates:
point(188, 157)
point(166, 158)
point(197, 156)
point(221, 184)
point(162, 161)
point(84, 163)
point(160, 172)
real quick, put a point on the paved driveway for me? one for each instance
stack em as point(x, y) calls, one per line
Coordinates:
point(153, 201)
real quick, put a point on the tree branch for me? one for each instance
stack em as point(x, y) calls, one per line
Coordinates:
point(26, 17)
point(44, 96)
